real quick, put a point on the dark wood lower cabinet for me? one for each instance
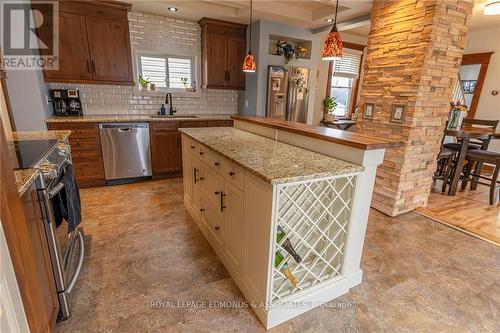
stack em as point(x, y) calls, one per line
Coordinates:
point(85, 151)
point(165, 152)
point(26, 248)
point(36, 232)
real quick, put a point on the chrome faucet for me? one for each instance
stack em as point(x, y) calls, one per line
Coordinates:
point(168, 100)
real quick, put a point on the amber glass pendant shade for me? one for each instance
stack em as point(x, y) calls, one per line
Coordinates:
point(249, 64)
point(332, 48)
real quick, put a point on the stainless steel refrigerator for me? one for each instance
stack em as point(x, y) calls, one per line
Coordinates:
point(287, 93)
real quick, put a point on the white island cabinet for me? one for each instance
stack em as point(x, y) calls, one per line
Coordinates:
point(288, 223)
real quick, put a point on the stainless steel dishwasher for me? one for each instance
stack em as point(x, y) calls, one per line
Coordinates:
point(125, 150)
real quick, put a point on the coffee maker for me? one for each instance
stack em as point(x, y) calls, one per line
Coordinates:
point(66, 102)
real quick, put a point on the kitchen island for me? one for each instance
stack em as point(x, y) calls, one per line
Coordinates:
point(284, 214)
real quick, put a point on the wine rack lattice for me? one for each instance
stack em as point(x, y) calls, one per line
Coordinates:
point(314, 217)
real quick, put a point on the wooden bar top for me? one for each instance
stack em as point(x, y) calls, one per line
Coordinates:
point(352, 139)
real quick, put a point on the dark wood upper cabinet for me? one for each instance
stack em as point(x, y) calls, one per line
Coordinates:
point(235, 55)
point(109, 49)
point(94, 43)
point(223, 46)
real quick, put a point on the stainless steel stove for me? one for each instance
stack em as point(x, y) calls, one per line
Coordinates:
point(67, 250)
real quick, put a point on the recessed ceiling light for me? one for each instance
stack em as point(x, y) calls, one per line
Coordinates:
point(329, 20)
point(492, 8)
point(172, 9)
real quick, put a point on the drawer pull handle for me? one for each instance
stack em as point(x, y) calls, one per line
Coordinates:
point(201, 178)
point(217, 192)
point(217, 163)
point(194, 175)
point(202, 153)
point(216, 227)
point(192, 147)
point(202, 209)
point(232, 173)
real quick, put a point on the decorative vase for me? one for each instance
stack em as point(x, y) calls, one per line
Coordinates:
point(330, 117)
point(455, 118)
point(152, 86)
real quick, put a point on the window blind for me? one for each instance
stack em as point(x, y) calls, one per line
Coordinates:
point(154, 69)
point(348, 65)
point(167, 72)
point(179, 68)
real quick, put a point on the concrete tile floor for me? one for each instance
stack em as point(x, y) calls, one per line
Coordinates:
point(142, 246)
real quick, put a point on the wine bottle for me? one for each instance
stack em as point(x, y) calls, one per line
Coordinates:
point(287, 245)
point(284, 269)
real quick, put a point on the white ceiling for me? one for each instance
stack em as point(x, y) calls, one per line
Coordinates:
point(308, 14)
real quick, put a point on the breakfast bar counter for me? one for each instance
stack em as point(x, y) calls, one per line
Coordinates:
point(285, 211)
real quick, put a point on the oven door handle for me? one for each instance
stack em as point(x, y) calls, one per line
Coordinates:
point(52, 193)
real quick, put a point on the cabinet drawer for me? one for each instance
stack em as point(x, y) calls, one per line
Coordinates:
point(164, 125)
point(84, 144)
point(219, 123)
point(79, 133)
point(90, 169)
point(191, 146)
point(192, 123)
point(233, 173)
point(213, 160)
point(82, 155)
point(212, 186)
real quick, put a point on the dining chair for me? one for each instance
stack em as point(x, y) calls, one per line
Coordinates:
point(472, 173)
point(444, 166)
point(475, 143)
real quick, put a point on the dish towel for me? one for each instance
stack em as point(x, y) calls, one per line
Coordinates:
point(66, 203)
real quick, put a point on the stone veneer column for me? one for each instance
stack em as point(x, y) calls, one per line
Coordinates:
point(414, 52)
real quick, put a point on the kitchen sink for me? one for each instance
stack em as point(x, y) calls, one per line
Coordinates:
point(174, 116)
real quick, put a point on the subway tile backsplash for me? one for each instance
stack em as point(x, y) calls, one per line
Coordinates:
point(154, 31)
point(114, 99)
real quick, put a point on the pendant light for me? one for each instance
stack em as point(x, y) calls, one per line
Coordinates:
point(249, 64)
point(333, 48)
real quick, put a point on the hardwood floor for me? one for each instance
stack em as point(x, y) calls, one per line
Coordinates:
point(146, 259)
point(468, 211)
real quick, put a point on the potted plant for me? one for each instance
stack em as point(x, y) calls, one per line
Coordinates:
point(143, 82)
point(152, 86)
point(457, 114)
point(329, 105)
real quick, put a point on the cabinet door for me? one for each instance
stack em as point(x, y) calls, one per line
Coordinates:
point(165, 151)
point(187, 170)
point(109, 45)
point(74, 61)
point(233, 223)
point(213, 219)
point(198, 177)
point(216, 60)
point(38, 238)
point(235, 55)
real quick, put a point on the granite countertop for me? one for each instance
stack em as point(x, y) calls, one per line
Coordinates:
point(24, 179)
point(138, 117)
point(41, 135)
point(273, 161)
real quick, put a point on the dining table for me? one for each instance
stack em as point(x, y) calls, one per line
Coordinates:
point(464, 134)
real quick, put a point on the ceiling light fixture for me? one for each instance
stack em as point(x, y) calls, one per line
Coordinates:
point(333, 48)
point(172, 9)
point(249, 64)
point(492, 8)
point(329, 20)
